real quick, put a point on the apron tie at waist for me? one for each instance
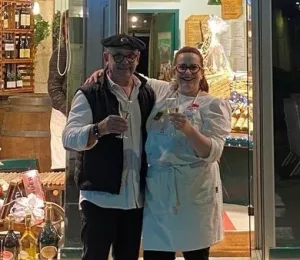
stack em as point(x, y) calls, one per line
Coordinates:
point(174, 196)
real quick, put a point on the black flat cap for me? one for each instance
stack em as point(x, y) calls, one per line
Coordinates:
point(123, 41)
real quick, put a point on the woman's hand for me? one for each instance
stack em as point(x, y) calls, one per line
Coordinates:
point(181, 122)
point(94, 77)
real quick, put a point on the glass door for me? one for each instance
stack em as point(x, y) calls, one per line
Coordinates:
point(221, 30)
point(286, 103)
point(264, 195)
point(89, 22)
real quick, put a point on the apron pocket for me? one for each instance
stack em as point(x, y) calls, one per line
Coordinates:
point(197, 185)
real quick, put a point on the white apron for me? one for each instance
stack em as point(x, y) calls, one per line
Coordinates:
point(183, 209)
point(58, 152)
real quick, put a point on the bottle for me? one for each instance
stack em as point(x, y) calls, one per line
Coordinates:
point(6, 76)
point(5, 19)
point(28, 18)
point(10, 81)
point(26, 48)
point(6, 47)
point(17, 46)
point(17, 18)
point(48, 238)
point(10, 242)
point(19, 78)
point(28, 242)
point(9, 47)
point(22, 48)
point(23, 17)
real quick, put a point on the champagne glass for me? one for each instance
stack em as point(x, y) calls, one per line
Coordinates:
point(125, 113)
point(172, 105)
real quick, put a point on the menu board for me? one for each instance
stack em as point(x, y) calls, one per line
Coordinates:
point(232, 9)
point(195, 29)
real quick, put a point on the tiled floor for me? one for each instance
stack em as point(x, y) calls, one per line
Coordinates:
point(239, 217)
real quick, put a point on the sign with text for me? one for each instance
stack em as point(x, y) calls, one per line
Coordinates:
point(232, 9)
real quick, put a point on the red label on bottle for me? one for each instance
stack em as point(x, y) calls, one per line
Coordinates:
point(8, 255)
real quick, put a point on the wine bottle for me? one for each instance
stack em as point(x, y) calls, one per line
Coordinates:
point(22, 48)
point(10, 77)
point(6, 47)
point(48, 238)
point(17, 18)
point(9, 46)
point(6, 76)
point(28, 242)
point(19, 78)
point(5, 19)
point(17, 46)
point(23, 17)
point(26, 48)
point(10, 242)
point(28, 18)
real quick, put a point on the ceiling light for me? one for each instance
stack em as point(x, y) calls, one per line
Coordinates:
point(134, 19)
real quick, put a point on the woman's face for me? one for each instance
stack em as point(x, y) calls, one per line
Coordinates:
point(188, 73)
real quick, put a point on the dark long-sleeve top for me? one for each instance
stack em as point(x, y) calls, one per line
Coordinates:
point(57, 84)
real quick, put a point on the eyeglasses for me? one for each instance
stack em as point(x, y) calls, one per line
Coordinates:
point(182, 68)
point(118, 58)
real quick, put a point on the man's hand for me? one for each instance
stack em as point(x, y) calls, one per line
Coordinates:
point(113, 125)
point(94, 77)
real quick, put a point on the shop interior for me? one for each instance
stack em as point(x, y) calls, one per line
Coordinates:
point(32, 31)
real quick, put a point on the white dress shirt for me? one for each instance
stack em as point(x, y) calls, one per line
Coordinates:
point(76, 134)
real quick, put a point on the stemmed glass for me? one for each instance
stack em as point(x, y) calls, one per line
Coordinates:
point(172, 105)
point(125, 113)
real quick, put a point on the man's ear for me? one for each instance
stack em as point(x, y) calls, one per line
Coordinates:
point(138, 57)
point(106, 56)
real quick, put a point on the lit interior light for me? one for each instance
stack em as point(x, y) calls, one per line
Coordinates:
point(134, 19)
point(36, 8)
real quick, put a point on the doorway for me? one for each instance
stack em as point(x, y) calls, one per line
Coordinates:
point(159, 30)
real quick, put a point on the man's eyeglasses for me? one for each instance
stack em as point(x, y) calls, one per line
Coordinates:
point(182, 68)
point(118, 58)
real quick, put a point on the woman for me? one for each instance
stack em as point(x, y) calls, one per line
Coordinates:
point(183, 203)
point(57, 89)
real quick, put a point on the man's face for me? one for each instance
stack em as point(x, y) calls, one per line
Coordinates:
point(121, 61)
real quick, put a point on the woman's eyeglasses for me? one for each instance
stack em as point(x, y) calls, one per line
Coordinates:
point(182, 68)
point(118, 58)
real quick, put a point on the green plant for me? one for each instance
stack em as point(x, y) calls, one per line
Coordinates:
point(41, 30)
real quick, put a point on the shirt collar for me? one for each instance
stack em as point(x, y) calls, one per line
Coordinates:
point(137, 83)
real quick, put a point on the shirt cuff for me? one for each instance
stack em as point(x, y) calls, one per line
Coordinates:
point(83, 137)
point(213, 152)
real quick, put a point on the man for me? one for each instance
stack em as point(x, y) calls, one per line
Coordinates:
point(111, 171)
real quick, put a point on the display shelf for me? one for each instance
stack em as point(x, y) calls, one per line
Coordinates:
point(16, 47)
point(16, 61)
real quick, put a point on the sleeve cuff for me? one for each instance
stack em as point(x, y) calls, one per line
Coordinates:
point(84, 137)
point(214, 152)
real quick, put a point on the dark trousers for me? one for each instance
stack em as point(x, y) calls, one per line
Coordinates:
point(104, 227)
point(202, 254)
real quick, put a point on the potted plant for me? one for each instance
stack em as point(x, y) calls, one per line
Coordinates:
point(41, 30)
